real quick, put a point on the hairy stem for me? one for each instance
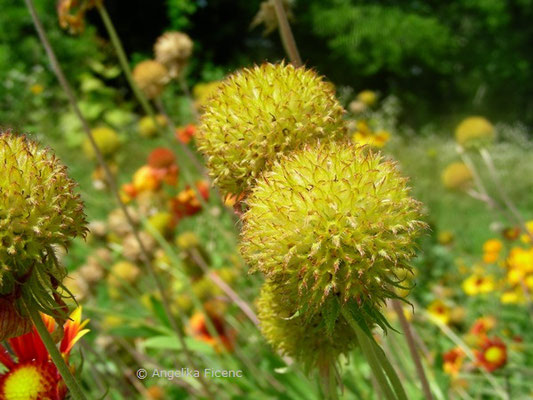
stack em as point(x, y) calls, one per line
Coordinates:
point(112, 184)
point(287, 37)
point(72, 385)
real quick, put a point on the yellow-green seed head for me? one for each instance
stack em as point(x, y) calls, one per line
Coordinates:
point(39, 212)
point(316, 343)
point(474, 132)
point(261, 113)
point(457, 176)
point(332, 221)
point(107, 141)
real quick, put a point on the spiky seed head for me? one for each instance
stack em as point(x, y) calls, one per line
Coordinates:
point(151, 77)
point(457, 176)
point(107, 141)
point(260, 113)
point(332, 220)
point(474, 132)
point(173, 49)
point(315, 342)
point(39, 212)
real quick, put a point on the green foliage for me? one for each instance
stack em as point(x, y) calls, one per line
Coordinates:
point(179, 12)
point(23, 61)
point(375, 38)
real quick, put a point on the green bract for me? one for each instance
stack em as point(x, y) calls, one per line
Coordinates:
point(39, 211)
point(261, 113)
point(332, 221)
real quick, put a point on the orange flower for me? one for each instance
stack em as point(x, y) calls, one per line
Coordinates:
point(453, 361)
point(483, 325)
point(185, 134)
point(163, 164)
point(198, 328)
point(492, 355)
point(186, 203)
point(33, 375)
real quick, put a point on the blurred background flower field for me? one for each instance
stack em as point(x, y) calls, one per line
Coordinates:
point(442, 88)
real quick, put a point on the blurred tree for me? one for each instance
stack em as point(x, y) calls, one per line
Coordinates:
point(456, 56)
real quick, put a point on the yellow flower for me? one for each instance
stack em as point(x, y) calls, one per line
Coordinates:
point(440, 311)
point(478, 284)
point(368, 97)
point(490, 258)
point(492, 246)
point(445, 238)
point(36, 89)
point(515, 296)
point(525, 237)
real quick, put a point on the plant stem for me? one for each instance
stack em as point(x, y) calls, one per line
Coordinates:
point(73, 386)
point(368, 350)
point(56, 67)
point(123, 60)
point(286, 34)
point(412, 348)
point(487, 159)
point(332, 383)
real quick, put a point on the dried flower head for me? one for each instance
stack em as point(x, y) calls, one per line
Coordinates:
point(267, 15)
point(71, 13)
point(332, 221)
point(39, 212)
point(173, 49)
point(258, 114)
point(474, 132)
point(151, 77)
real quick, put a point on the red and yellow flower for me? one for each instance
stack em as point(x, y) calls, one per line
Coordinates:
point(453, 361)
point(32, 375)
point(492, 355)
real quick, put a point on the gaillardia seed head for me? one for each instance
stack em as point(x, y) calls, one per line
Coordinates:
point(457, 176)
point(39, 212)
point(332, 221)
point(316, 343)
point(474, 132)
point(173, 49)
point(258, 114)
point(151, 77)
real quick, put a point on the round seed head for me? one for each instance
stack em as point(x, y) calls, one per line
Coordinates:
point(332, 221)
point(173, 49)
point(474, 132)
point(258, 114)
point(457, 176)
point(151, 77)
point(39, 213)
point(315, 342)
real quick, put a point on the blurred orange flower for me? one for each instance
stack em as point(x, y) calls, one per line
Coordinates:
point(492, 355)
